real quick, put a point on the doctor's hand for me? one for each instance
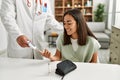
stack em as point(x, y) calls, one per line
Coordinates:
point(22, 41)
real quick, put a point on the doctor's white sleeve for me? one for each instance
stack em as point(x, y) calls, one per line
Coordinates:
point(8, 16)
point(53, 24)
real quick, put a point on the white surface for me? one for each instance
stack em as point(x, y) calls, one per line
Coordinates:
point(23, 69)
point(94, 72)
point(28, 69)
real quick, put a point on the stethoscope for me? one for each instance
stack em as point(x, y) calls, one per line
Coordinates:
point(38, 10)
point(29, 3)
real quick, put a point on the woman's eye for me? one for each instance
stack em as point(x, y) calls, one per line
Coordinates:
point(69, 23)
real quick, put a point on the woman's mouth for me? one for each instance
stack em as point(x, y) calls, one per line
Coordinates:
point(68, 31)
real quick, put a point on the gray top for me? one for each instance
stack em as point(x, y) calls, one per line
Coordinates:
point(82, 54)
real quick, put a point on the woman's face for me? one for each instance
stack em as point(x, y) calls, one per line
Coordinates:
point(70, 26)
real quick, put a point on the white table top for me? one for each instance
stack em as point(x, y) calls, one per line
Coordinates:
point(28, 69)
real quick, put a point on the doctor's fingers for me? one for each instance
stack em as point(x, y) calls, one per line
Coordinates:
point(22, 41)
point(22, 44)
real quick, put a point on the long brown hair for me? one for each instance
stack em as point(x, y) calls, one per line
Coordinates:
point(82, 29)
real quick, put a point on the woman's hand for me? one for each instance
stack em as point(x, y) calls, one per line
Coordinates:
point(46, 53)
point(55, 57)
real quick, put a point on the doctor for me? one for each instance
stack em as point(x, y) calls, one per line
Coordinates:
point(26, 20)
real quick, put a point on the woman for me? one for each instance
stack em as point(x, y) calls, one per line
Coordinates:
point(78, 43)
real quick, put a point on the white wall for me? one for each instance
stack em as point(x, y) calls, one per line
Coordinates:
point(110, 9)
point(114, 14)
point(3, 34)
point(52, 6)
point(117, 14)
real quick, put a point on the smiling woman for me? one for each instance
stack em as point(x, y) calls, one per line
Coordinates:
point(77, 43)
point(70, 26)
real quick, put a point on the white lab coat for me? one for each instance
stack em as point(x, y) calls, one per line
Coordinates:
point(19, 19)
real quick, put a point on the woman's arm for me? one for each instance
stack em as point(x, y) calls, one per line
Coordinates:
point(55, 57)
point(94, 58)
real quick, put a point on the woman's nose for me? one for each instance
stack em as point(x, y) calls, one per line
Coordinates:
point(66, 26)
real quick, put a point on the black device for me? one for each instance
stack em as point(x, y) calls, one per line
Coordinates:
point(65, 67)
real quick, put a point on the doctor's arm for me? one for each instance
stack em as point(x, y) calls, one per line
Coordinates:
point(8, 18)
point(53, 24)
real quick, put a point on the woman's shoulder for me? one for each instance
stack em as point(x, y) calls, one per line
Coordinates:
point(91, 38)
point(60, 35)
point(93, 41)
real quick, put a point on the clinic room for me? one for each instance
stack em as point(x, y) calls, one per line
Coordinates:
point(59, 40)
